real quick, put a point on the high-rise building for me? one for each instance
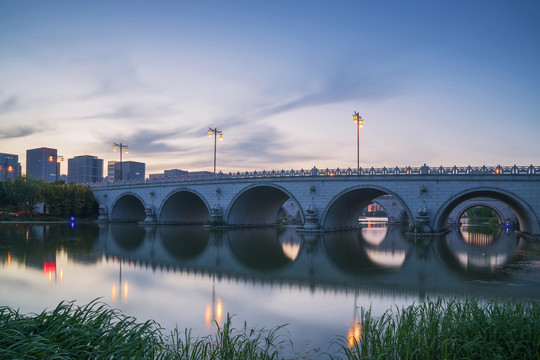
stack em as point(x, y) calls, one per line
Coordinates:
point(9, 166)
point(168, 175)
point(130, 170)
point(85, 169)
point(42, 163)
point(110, 170)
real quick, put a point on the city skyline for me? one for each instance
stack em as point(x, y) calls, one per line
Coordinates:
point(436, 83)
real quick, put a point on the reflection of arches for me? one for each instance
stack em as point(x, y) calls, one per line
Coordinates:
point(484, 255)
point(128, 207)
point(347, 250)
point(258, 249)
point(128, 236)
point(184, 207)
point(528, 221)
point(257, 205)
point(184, 242)
point(343, 211)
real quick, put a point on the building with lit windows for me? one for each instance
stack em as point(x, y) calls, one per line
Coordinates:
point(130, 170)
point(85, 169)
point(42, 163)
point(9, 166)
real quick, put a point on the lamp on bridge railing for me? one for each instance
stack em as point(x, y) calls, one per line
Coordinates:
point(359, 123)
point(216, 132)
point(121, 146)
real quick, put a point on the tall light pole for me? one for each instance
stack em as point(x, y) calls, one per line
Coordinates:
point(216, 132)
point(59, 165)
point(359, 123)
point(121, 146)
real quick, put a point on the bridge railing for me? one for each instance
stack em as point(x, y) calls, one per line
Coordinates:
point(314, 172)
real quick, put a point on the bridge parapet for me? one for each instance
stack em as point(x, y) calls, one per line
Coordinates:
point(314, 172)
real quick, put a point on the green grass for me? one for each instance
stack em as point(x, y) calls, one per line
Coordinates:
point(96, 331)
point(449, 329)
point(441, 329)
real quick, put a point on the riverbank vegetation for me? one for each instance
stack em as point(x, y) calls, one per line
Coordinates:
point(450, 329)
point(440, 329)
point(20, 196)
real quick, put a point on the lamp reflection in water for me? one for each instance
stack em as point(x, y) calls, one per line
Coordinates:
point(355, 332)
point(124, 290)
point(214, 312)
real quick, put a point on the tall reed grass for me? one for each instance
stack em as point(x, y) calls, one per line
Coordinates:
point(448, 329)
point(96, 331)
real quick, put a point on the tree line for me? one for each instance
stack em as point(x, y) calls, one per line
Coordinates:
point(22, 194)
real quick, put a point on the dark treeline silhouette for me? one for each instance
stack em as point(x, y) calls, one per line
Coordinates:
point(22, 194)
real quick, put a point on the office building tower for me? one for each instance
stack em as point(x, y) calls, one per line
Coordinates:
point(168, 175)
point(85, 169)
point(130, 170)
point(42, 163)
point(9, 166)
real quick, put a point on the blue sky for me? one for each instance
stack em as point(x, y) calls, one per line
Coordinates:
point(442, 83)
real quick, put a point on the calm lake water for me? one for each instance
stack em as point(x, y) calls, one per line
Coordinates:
point(190, 277)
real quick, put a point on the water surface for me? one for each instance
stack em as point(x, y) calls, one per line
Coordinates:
point(189, 277)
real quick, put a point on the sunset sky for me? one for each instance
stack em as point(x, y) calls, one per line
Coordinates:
point(443, 83)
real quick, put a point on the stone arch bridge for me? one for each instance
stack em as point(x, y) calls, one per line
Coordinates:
point(327, 199)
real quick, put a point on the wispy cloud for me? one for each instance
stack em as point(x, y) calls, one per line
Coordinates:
point(8, 104)
point(18, 131)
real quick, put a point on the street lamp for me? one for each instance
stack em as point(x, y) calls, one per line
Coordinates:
point(359, 123)
point(216, 132)
point(59, 165)
point(121, 146)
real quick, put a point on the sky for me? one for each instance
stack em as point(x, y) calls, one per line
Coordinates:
point(436, 82)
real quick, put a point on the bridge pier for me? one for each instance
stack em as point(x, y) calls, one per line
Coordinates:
point(150, 216)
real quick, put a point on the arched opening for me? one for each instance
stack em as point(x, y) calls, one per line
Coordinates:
point(357, 205)
point(258, 205)
point(480, 215)
point(128, 208)
point(524, 215)
point(184, 207)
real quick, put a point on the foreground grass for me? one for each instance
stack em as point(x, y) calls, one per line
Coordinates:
point(450, 330)
point(96, 331)
point(438, 329)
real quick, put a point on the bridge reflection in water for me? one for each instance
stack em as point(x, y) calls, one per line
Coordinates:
point(376, 258)
point(275, 271)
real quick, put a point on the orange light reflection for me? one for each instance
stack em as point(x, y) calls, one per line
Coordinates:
point(113, 294)
point(354, 334)
point(126, 290)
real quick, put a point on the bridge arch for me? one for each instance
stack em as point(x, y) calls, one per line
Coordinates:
point(344, 209)
point(128, 207)
point(528, 220)
point(184, 206)
point(258, 205)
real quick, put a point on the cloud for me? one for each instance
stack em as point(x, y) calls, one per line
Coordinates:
point(18, 131)
point(148, 141)
point(8, 104)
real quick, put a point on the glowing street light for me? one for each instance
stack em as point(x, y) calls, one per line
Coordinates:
point(359, 123)
point(216, 132)
point(121, 146)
